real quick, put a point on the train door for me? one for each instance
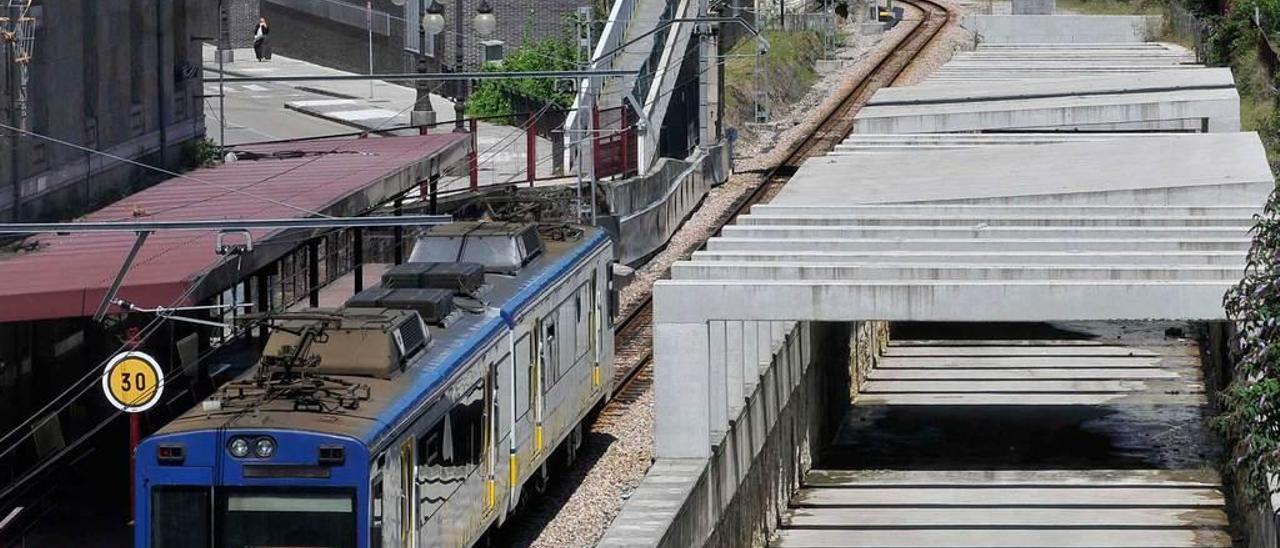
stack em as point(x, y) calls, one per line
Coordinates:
point(408, 496)
point(593, 327)
point(490, 431)
point(535, 384)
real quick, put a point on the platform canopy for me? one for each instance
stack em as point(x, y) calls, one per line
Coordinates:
point(53, 276)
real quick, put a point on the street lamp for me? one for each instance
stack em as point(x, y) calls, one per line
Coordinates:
point(485, 23)
point(433, 20)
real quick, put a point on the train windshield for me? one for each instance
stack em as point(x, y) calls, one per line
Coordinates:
point(257, 518)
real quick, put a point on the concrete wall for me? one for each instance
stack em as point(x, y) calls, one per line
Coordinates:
point(242, 16)
point(1007, 29)
point(334, 33)
point(119, 76)
point(737, 495)
point(646, 210)
point(1032, 7)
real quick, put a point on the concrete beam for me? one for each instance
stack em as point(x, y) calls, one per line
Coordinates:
point(1181, 110)
point(839, 232)
point(1181, 170)
point(976, 244)
point(927, 218)
point(873, 271)
point(679, 302)
point(1181, 83)
point(1227, 259)
point(942, 210)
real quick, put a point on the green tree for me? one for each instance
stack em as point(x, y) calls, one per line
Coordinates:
point(493, 97)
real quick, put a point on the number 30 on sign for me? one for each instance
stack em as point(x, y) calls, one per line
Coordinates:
point(133, 382)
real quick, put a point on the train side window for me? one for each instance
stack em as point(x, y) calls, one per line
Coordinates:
point(431, 447)
point(582, 342)
point(468, 419)
point(433, 479)
point(550, 352)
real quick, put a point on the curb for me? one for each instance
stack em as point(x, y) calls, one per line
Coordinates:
point(307, 89)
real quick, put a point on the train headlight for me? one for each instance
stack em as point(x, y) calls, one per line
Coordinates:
point(238, 447)
point(264, 447)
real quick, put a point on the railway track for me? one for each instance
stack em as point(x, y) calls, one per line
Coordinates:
point(633, 337)
point(619, 421)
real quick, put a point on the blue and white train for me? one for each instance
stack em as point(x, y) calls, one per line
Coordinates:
point(414, 416)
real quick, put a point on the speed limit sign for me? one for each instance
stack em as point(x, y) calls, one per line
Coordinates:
point(133, 382)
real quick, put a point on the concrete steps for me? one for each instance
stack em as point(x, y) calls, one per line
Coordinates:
point(958, 374)
point(1008, 507)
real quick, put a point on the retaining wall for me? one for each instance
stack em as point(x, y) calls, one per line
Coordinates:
point(1063, 29)
point(646, 210)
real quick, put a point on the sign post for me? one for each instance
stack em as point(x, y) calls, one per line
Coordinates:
point(133, 382)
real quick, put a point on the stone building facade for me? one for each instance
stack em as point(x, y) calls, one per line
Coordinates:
point(117, 76)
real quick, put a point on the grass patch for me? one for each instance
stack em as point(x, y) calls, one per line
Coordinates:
point(1111, 7)
point(787, 72)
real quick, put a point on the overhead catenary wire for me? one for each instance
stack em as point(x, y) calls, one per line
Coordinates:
point(147, 331)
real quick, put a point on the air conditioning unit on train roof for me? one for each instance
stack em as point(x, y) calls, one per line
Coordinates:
point(502, 248)
point(364, 342)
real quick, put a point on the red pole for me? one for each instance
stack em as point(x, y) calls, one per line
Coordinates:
point(626, 142)
point(530, 153)
point(472, 159)
point(135, 437)
point(135, 428)
point(595, 138)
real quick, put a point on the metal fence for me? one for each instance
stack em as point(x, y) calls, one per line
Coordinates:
point(1186, 25)
point(822, 22)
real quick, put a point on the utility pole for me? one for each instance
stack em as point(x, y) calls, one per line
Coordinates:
point(11, 89)
point(17, 31)
point(459, 103)
point(223, 46)
point(368, 12)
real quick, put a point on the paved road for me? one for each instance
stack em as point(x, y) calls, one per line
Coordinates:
point(255, 112)
point(266, 111)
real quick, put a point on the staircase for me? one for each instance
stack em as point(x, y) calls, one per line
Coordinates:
point(638, 37)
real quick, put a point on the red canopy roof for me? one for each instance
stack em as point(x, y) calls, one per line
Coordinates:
point(67, 276)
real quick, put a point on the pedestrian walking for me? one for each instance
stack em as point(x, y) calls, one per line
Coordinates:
point(261, 40)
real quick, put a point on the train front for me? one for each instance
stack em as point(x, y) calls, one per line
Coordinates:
point(275, 458)
point(251, 487)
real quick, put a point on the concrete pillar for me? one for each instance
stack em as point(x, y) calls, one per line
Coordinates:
point(718, 377)
point(681, 385)
point(734, 367)
point(750, 356)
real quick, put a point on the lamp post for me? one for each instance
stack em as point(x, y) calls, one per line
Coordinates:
point(423, 115)
point(485, 23)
